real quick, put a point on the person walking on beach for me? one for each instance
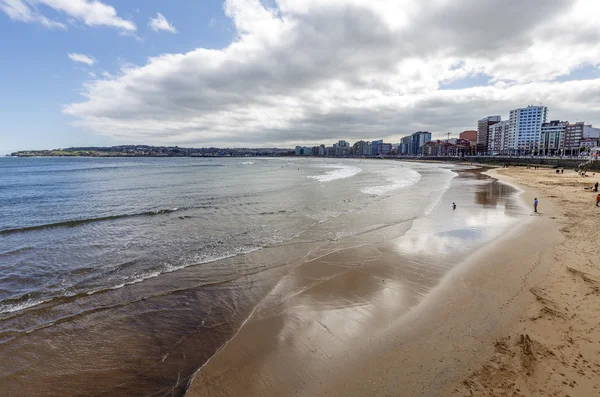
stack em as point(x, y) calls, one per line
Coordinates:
point(535, 204)
point(454, 205)
point(596, 187)
point(598, 200)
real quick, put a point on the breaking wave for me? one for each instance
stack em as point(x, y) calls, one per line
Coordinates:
point(339, 172)
point(396, 180)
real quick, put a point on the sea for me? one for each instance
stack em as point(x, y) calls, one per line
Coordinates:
point(123, 276)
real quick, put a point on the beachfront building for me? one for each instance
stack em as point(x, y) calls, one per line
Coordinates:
point(417, 141)
point(432, 148)
point(404, 146)
point(386, 149)
point(358, 149)
point(591, 137)
point(589, 143)
point(471, 136)
point(341, 149)
point(497, 134)
point(552, 139)
point(376, 147)
point(590, 132)
point(463, 147)
point(573, 136)
point(483, 132)
point(525, 128)
point(450, 147)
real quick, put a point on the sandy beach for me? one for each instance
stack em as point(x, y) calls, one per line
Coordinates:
point(554, 347)
point(349, 334)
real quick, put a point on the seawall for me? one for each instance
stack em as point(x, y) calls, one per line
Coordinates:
point(499, 160)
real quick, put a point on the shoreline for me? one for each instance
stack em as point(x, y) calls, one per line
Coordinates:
point(297, 352)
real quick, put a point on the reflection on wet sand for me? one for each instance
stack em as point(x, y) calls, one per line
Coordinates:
point(327, 308)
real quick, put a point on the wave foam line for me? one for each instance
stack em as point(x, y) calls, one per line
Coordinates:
point(77, 222)
point(340, 172)
point(395, 182)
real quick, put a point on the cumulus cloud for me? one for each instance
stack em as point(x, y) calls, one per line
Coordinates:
point(161, 23)
point(90, 12)
point(318, 70)
point(81, 58)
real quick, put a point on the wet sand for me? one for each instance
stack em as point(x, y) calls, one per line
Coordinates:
point(410, 316)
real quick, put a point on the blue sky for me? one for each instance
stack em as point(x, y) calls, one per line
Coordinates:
point(286, 72)
point(38, 78)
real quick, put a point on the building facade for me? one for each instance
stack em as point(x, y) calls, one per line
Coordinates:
point(469, 135)
point(552, 139)
point(573, 136)
point(417, 141)
point(483, 131)
point(589, 143)
point(404, 148)
point(590, 132)
point(525, 128)
point(376, 147)
point(358, 149)
point(591, 137)
point(497, 134)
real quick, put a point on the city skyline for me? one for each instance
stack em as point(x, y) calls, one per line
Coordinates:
point(492, 123)
point(250, 73)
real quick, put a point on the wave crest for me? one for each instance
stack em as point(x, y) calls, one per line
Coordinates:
point(397, 180)
point(339, 172)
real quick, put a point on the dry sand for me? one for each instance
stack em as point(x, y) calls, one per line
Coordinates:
point(348, 336)
point(554, 350)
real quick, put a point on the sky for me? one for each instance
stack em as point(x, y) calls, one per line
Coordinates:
point(271, 73)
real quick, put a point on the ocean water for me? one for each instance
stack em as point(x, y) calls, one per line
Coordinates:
point(124, 276)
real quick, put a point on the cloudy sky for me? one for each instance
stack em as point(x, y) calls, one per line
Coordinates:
point(286, 72)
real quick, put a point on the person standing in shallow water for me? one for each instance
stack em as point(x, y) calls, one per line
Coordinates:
point(453, 206)
point(535, 204)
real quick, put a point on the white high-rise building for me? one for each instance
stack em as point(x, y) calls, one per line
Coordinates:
point(497, 134)
point(525, 128)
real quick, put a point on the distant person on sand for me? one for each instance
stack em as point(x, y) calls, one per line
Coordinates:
point(453, 206)
point(598, 200)
point(535, 204)
point(596, 187)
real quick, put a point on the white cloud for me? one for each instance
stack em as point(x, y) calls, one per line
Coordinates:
point(17, 10)
point(90, 12)
point(81, 58)
point(318, 70)
point(161, 23)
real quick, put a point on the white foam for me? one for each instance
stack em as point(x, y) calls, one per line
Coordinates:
point(7, 309)
point(340, 171)
point(248, 162)
point(137, 278)
point(397, 179)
